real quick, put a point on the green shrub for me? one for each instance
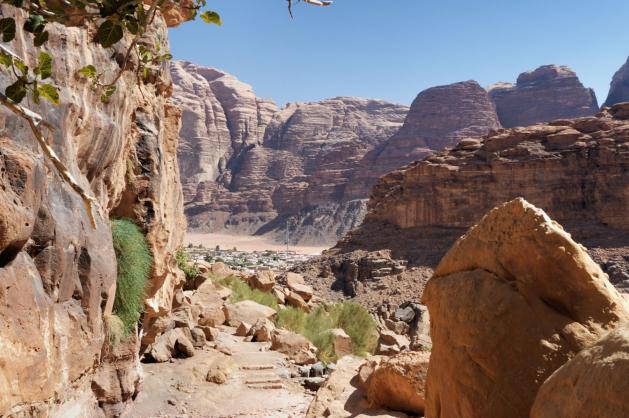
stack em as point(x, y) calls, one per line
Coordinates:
point(134, 266)
point(241, 291)
point(292, 319)
point(316, 326)
point(355, 320)
point(183, 262)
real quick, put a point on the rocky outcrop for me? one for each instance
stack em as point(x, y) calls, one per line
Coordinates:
point(548, 305)
point(594, 383)
point(58, 272)
point(576, 170)
point(541, 95)
point(248, 167)
point(439, 117)
point(619, 87)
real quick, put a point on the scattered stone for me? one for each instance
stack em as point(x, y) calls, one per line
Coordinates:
point(295, 346)
point(198, 337)
point(261, 331)
point(247, 311)
point(342, 342)
point(302, 290)
point(243, 329)
point(263, 280)
point(220, 370)
point(314, 383)
point(293, 299)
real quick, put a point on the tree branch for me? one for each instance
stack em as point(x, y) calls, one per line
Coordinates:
point(34, 121)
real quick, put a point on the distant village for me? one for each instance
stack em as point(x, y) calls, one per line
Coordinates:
point(248, 262)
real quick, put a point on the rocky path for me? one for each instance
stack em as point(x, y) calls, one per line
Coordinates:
point(258, 384)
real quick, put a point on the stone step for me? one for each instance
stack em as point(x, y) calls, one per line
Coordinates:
point(266, 386)
point(257, 367)
point(263, 381)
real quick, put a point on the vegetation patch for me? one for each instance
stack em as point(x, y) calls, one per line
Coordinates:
point(134, 266)
point(183, 262)
point(241, 291)
point(316, 326)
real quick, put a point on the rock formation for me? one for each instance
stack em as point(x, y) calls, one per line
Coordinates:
point(619, 87)
point(576, 170)
point(594, 383)
point(439, 117)
point(516, 279)
point(58, 273)
point(546, 93)
point(250, 168)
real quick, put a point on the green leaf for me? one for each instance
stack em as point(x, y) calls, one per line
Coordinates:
point(109, 33)
point(41, 38)
point(45, 65)
point(211, 17)
point(88, 71)
point(5, 59)
point(21, 66)
point(7, 28)
point(49, 92)
point(107, 93)
point(16, 91)
point(34, 24)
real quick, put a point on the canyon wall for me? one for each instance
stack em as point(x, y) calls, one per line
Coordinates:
point(541, 95)
point(248, 167)
point(57, 271)
point(619, 87)
point(575, 169)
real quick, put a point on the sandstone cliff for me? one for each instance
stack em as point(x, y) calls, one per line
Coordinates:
point(546, 93)
point(619, 87)
point(575, 169)
point(57, 272)
point(250, 168)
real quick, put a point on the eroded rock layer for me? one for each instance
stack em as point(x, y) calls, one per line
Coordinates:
point(57, 272)
point(248, 167)
point(575, 169)
point(546, 93)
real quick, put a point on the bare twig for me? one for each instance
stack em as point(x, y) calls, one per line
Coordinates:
point(314, 2)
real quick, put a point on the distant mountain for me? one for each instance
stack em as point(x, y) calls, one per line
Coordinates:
point(619, 87)
point(248, 167)
point(541, 95)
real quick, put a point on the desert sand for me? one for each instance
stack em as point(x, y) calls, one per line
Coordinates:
point(247, 243)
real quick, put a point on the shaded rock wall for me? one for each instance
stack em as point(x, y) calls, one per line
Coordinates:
point(541, 95)
point(248, 167)
point(57, 273)
point(619, 87)
point(574, 169)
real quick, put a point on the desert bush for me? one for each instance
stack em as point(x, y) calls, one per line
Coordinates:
point(241, 291)
point(134, 261)
point(292, 319)
point(316, 326)
point(356, 321)
point(183, 262)
point(115, 330)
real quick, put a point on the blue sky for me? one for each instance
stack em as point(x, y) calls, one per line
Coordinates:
point(393, 49)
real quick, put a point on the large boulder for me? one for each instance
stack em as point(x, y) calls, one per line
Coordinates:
point(208, 298)
point(399, 383)
point(593, 384)
point(263, 280)
point(342, 342)
point(246, 311)
point(174, 343)
point(511, 301)
point(295, 346)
